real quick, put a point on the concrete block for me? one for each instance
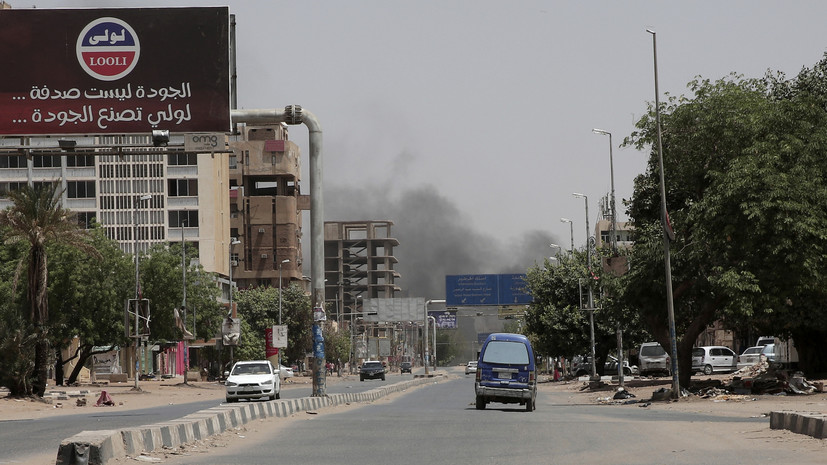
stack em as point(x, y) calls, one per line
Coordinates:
point(133, 441)
point(96, 447)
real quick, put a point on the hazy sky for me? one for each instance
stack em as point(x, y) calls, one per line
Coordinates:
point(473, 119)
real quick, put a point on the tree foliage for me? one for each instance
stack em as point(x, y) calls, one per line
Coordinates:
point(746, 197)
point(555, 321)
point(87, 294)
point(162, 282)
point(258, 309)
point(37, 219)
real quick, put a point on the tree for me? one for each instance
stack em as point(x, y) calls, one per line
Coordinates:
point(37, 219)
point(745, 190)
point(258, 308)
point(162, 282)
point(555, 322)
point(89, 293)
point(336, 344)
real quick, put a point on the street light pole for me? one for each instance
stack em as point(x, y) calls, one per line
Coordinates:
point(286, 260)
point(233, 241)
point(676, 387)
point(589, 281)
point(184, 300)
point(612, 174)
point(138, 202)
point(571, 226)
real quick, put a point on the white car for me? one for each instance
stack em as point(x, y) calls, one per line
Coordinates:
point(285, 372)
point(709, 359)
point(471, 367)
point(750, 357)
point(253, 380)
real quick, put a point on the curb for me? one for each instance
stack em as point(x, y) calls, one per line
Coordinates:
point(100, 446)
point(810, 423)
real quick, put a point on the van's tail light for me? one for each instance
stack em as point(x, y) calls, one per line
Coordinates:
point(531, 377)
point(479, 374)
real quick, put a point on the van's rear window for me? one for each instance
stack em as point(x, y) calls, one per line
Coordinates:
point(505, 352)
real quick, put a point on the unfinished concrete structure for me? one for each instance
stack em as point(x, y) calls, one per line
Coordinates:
point(265, 208)
point(358, 263)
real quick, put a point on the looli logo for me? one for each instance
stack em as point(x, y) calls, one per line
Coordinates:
point(108, 49)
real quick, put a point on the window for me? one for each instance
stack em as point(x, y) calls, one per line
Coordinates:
point(506, 352)
point(46, 161)
point(176, 159)
point(6, 187)
point(182, 187)
point(13, 161)
point(81, 189)
point(183, 217)
point(80, 160)
point(85, 219)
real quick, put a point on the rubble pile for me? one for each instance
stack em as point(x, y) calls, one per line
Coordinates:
point(766, 378)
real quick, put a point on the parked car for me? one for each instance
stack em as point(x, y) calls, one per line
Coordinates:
point(506, 372)
point(405, 367)
point(764, 340)
point(471, 367)
point(285, 372)
point(709, 359)
point(653, 359)
point(252, 380)
point(372, 369)
point(750, 357)
point(610, 366)
point(581, 365)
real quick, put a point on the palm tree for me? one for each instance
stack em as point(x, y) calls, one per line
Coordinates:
point(35, 219)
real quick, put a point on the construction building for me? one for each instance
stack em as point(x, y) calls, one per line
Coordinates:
point(359, 264)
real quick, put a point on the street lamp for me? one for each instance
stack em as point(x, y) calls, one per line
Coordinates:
point(233, 241)
point(612, 173)
point(664, 216)
point(138, 203)
point(557, 255)
point(571, 226)
point(184, 299)
point(589, 281)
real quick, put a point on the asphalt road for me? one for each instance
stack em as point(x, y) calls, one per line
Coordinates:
point(23, 438)
point(438, 424)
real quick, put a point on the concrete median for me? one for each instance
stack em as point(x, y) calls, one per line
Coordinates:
point(99, 447)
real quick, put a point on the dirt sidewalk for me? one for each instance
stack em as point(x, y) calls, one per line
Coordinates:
point(60, 400)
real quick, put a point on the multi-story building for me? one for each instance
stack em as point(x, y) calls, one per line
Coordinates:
point(140, 198)
point(359, 263)
point(265, 208)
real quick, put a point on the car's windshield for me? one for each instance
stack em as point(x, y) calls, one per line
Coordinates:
point(506, 352)
point(697, 352)
point(652, 351)
point(372, 364)
point(753, 350)
point(252, 369)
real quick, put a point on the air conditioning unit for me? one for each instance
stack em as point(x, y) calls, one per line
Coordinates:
point(234, 262)
point(261, 230)
point(264, 255)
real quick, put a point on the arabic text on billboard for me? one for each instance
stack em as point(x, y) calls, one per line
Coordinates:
point(486, 289)
point(114, 70)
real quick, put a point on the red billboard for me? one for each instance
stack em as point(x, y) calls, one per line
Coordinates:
point(114, 70)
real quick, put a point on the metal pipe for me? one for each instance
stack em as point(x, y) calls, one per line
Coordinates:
point(295, 114)
point(676, 386)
